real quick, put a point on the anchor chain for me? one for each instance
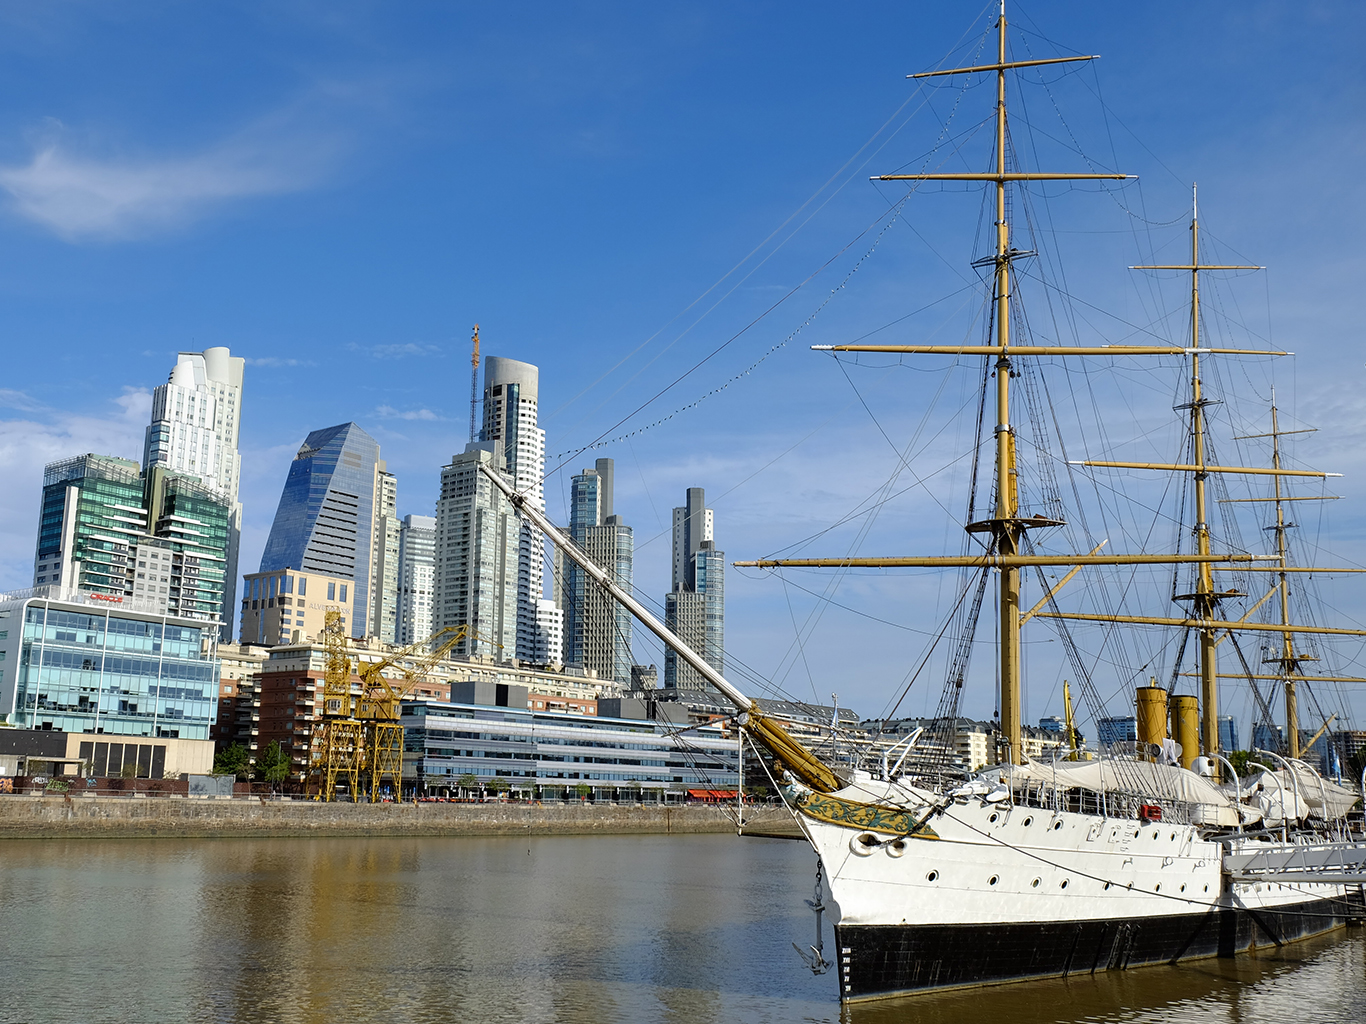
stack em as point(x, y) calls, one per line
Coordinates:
point(815, 960)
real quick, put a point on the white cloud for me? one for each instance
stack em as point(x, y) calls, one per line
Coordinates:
point(278, 361)
point(388, 412)
point(81, 195)
point(11, 399)
point(397, 351)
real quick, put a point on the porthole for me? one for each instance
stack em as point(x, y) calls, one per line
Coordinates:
point(1207, 888)
point(993, 818)
point(1183, 887)
point(1157, 887)
point(1028, 822)
point(1107, 885)
point(1154, 836)
point(1173, 837)
point(863, 844)
point(934, 876)
point(1062, 884)
point(1057, 825)
point(993, 879)
point(896, 848)
point(1034, 884)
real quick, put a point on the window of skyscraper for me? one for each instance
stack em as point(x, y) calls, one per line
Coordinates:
point(331, 591)
point(343, 593)
point(273, 581)
point(303, 586)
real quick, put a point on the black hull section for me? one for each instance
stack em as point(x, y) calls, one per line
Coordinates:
point(885, 960)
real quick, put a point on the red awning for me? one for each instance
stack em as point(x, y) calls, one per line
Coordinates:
point(712, 794)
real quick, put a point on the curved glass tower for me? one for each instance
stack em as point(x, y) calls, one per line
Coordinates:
point(325, 520)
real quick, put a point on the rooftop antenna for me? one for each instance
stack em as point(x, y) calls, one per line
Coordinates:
point(474, 380)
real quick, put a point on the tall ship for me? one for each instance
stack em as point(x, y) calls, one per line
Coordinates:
point(1146, 852)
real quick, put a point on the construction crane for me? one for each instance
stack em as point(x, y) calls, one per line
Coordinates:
point(474, 380)
point(380, 704)
point(342, 741)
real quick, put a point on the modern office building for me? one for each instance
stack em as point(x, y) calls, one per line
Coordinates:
point(285, 606)
point(511, 393)
point(476, 556)
point(81, 661)
point(196, 420)
point(329, 514)
point(1117, 729)
point(695, 607)
point(1267, 737)
point(108, 528)
point(416, 578)
point(597, 629)
point(1228, 733)
point(384, 558)
point(541, 752)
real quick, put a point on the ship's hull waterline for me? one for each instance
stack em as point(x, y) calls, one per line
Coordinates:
point(993, 893)
point(880, 961)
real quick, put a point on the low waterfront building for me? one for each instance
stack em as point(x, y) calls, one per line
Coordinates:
point(288, 705)
point(975, 744)
point(541, 753)
point(239, 696)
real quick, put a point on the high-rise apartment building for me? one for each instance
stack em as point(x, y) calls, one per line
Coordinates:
point(476, 556)
point(511, 391)
point(597, 629)
point(416, 578)
point(110, 529)
point(333, 505)
point(695, 607)
point(196, 421)
point(384, 558)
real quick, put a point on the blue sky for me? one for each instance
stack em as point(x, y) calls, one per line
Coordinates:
point(339, 192)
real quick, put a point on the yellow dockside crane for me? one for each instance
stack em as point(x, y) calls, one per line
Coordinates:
point(380, 704)
point(362, 739)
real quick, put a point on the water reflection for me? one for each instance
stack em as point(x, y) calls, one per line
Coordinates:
point(690, 929)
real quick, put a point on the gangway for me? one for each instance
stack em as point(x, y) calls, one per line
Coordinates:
point(1338, 863)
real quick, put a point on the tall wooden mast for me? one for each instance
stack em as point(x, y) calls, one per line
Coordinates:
point(1007, 527)
point(1205, 600)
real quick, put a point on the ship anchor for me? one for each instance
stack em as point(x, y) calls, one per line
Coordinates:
point(815, 960)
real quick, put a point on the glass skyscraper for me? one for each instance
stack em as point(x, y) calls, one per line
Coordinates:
point(597, 629)
point(326, 519)
point(155, 537)
point(695, 607)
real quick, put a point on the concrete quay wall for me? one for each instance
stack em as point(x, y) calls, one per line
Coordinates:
point(115, 817)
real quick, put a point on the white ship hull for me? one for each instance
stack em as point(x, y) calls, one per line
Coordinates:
point(991, 893)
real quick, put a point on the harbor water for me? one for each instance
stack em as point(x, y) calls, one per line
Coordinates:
point(694, 929)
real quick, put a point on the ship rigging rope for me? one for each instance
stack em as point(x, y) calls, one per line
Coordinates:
point(893, 212)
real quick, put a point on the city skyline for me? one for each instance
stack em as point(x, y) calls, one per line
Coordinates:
point(353, 317)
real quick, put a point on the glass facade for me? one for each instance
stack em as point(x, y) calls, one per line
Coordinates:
point(83, 671)
point(444, 741)
point(325, 519)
